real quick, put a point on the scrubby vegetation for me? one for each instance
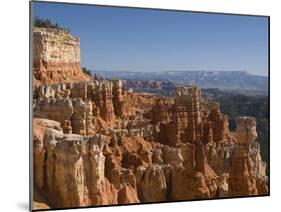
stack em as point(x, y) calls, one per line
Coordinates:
point(86, 71)
point(47, 23)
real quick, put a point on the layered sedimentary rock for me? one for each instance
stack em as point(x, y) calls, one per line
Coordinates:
point(188, 104)
point(152, 185)
point(219, 121)
point(246, 130)
point(95, 143)
point(56, 56)
point(118, 100)
point(127, 195)
point(162, 111)
point(129, 165)
point(54, 109)
point(71, 169)
point(185, 126)
point(80, 106)
point(247, 174)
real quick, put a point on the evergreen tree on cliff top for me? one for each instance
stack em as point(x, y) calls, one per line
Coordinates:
point(47, 23)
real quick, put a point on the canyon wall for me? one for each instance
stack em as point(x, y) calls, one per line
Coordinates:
point(96, 143)
point(56, 56)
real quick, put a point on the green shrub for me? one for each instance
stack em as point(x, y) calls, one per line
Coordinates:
point(47, 23)
point(88, 72)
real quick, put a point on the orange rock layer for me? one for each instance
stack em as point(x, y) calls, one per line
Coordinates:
point(47, 73)
point(173, 150)
point(95, 143)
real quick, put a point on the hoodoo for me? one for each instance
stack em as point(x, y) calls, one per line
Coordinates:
point(95, 143)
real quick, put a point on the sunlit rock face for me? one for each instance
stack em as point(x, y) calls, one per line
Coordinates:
point(80, 106)
point(56, 56)
point(219, 122)
point(246, 130)
point(70, 168)
point(248, 171)
point(95, 143)
point(99, 164)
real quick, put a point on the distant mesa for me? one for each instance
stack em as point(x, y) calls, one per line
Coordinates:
point(226, 80)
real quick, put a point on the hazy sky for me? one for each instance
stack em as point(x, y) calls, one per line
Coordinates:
point(153, 40)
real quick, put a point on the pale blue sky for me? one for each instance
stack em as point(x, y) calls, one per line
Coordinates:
point(157, 40)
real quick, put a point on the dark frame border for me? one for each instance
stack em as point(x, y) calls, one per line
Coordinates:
point(128, 7)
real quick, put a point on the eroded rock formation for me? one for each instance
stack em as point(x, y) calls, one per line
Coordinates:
point(247, 169)
point(116, 162)
point(95, 143)
point(56, 56)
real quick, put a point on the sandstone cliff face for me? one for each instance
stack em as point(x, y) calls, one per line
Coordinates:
point(221, 164)
point(70, 169)
point(185, 126)
point(152, 185)
point(56, 56)
point(94, 143)
point(245, 176)
point(219, 121)
point(80, 106)
point(246, 130)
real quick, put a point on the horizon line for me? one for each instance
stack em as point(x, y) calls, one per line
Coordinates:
point(164, 71)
